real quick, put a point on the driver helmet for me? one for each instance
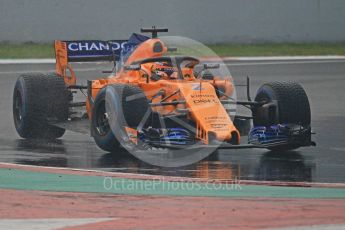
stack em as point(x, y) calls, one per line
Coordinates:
point(164, 70)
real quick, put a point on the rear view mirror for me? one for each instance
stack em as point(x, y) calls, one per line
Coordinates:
point(211, 66)
point(132, 67)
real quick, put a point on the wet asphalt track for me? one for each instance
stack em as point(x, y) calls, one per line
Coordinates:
point(324, 82)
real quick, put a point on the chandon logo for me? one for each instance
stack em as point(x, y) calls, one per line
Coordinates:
point(96, 46)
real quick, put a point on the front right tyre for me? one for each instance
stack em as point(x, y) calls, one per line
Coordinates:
point(117, 106)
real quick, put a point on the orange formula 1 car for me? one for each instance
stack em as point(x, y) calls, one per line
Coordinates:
point(158, 96)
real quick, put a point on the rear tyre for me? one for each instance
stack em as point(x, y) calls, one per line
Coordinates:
point(292, 106)
point(38, 99)
point(117, 106)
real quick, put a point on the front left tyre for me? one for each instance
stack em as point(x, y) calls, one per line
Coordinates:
point(284, 103)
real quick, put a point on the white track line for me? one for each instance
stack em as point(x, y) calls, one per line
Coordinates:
point(226, 59)
point(49, 71)
point(28, 61)
point(342, 149)
point(313, 227)
point(227, 64)
point(285, 58)
point(284, 62)
point(109, 173)
point(48, 223)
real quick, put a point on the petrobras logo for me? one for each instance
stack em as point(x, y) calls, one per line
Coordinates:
point(77, 46)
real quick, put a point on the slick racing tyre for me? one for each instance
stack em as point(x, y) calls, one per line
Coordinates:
point(117, 106)
point(38, 99)
point(292, 106)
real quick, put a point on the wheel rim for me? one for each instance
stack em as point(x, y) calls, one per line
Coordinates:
point(102, 123)
point(18, 108)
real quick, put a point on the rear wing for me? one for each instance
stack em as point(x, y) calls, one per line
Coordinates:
point(84, 51)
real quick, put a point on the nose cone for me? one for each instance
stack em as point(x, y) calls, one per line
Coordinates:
point(207, 111)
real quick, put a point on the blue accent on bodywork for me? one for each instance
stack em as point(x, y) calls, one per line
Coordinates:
point(128, 48)
point(280, 134)
point(171, 136)
point(267, 135)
